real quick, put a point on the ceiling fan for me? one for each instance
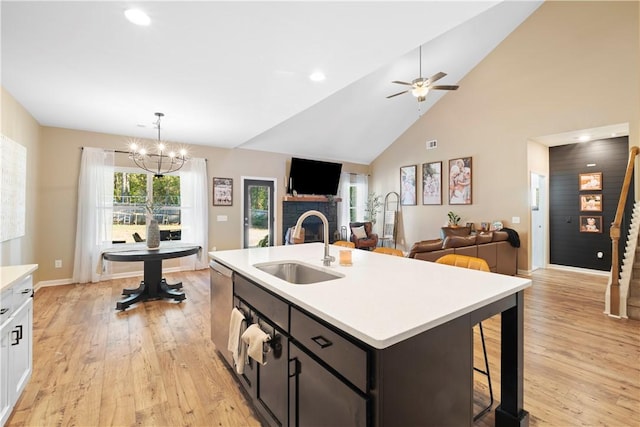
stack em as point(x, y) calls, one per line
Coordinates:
point(421, 86)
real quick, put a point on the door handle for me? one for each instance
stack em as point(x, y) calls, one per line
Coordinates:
point(18, 335)
point(296, 367)
point(26, 291)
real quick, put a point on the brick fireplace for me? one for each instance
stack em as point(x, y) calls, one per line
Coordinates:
point(293, 207)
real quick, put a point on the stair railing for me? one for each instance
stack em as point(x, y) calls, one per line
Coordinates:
point(614, 233)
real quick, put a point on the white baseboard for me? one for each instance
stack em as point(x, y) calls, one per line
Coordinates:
point(579, 270)
point(69, 281)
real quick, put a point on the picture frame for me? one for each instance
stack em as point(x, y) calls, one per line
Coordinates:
point(432, 183)
point(460, 181)
point(590, 181)
point(408, 185)
point(222, 191)
point(590, 224)
point(591, 202)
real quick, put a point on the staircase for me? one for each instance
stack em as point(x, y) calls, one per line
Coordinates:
point(633, 301)
point(630, 272)
point(622, 297)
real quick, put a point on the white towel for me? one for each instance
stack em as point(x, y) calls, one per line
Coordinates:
point(238, 349)
point(255, 337)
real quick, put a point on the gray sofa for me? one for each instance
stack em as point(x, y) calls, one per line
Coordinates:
point(492, 246)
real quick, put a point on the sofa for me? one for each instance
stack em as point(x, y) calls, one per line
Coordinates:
point(498, 248)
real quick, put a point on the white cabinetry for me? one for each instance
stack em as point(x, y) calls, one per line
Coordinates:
point(16, 327)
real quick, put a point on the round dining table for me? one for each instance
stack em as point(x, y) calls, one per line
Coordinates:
point(153, 286)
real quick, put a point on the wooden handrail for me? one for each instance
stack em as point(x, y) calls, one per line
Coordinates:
point(614, 233)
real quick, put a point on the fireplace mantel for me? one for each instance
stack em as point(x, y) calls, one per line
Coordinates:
point(310, 198)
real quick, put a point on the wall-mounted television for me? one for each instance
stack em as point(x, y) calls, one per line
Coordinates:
point(314, 177)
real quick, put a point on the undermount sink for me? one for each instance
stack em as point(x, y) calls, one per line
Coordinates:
point(297, 273)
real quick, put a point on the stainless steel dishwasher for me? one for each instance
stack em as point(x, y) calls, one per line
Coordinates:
point(221, 306)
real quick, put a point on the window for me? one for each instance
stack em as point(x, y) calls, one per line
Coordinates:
point(131, 191)
point(353, 203)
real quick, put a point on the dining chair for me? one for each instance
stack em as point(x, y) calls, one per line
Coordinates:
point(389, 251)
point(345, 244)
point(473, 263)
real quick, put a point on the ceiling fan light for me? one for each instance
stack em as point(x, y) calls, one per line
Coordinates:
point(420, 91)
point(138, 17)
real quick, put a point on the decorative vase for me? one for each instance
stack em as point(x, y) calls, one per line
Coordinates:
point(153, 234)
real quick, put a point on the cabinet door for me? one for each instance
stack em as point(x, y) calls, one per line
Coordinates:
point(5, 402)
point(318, 398)
point(20, 352)
point(272, 380)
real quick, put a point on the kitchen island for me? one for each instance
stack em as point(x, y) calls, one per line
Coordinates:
point(388, 342)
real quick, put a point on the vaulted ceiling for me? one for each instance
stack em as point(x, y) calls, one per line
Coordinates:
point(236, 74)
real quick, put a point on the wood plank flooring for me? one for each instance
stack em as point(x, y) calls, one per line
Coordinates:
point(154, 364)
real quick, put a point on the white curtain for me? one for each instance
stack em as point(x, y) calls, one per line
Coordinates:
point(343, 206)
point(95, 213)
point(194, 204)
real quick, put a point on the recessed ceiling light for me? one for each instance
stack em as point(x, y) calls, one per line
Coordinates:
point(317, 76)
point(584, 138)
point(137, 17)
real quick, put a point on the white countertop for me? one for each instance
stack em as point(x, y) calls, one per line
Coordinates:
point(13, 273)
point(383, 299)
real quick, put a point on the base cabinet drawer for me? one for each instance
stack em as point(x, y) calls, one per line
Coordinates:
point(336, 351)
point(318, 398)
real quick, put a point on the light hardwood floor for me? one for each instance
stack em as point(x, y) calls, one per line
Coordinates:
point(155, 365)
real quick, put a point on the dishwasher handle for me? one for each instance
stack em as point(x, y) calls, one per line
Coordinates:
point(221, 269)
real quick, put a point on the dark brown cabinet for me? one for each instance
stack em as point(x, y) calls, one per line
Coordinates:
point(293, 389)
point(318, 398)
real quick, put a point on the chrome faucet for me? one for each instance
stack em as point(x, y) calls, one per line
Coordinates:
point(326, 261)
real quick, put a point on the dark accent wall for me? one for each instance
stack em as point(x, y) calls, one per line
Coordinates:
point(569, 246)
point(312, 225)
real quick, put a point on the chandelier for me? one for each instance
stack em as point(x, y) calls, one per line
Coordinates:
point(163, 161)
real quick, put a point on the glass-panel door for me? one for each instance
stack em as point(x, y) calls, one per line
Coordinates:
point(259, 215)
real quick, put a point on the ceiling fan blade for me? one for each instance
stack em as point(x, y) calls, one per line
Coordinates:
point(444, 87)
point(401, 83)
point(396, 94)
point(436, 77)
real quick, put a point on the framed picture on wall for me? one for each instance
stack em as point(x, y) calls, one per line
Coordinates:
point(432, 183)
point(222, 191)
point(460, 189)
point(591, 202)
point(591, 181)
point(590, 224)
point(408, 185)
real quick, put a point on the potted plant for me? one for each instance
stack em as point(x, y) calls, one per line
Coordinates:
point(454, 219)
point(372, 208)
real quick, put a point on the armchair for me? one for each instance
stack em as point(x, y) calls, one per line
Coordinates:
point(362, 236)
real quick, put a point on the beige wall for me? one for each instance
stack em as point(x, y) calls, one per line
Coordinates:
point(18, 125)
point(570, 66)
point(61, 152)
